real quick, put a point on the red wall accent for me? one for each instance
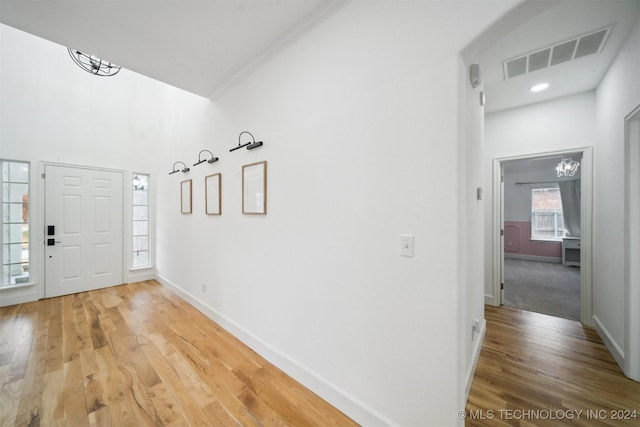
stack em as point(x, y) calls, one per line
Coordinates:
point(519, 234)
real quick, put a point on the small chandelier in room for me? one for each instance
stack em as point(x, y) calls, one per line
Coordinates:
point(567, 167)
point(93, 65)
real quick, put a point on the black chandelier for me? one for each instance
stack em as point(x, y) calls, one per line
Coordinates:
point(93, 65)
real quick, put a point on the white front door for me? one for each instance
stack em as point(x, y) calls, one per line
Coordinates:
point(83, 229)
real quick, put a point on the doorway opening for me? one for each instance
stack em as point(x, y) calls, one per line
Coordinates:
point(542, 234)
point(632, 244)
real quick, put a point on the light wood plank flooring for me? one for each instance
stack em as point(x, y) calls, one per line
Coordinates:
point(534, 369)
point(138, 355)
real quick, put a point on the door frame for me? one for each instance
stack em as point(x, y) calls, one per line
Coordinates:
point(586, 214)
point(42, 199)
point(631, 245)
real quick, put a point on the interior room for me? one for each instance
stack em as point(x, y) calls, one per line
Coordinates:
point(541, 257)
point(316, 178)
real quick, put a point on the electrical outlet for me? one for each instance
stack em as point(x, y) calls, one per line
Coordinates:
point(476, 325)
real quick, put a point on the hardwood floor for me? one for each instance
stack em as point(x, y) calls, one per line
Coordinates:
point(138, 355)
point(538, 370)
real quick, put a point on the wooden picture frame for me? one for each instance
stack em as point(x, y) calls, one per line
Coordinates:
point(185, 197)
point(212, 194)
point(254, 188)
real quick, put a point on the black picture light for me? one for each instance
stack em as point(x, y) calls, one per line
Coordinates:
point(186, 169)
point(250, 145)
point(201, 160)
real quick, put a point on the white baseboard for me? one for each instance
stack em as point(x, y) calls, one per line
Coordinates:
point(475, 353)
point(18, 297)
point(341, 399)
point(534, 258)
point(489, 300)
point(608, 340)
point(140, 275)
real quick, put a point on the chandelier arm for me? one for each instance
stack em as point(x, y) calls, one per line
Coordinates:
point(93, 65)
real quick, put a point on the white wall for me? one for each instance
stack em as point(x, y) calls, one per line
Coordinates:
point(52, 111)
point(360, 120)
point(558, 125)
point(364, 125)
point(616, 96)
point(470, 231)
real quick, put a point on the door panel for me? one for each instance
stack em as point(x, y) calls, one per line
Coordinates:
point(85, 206)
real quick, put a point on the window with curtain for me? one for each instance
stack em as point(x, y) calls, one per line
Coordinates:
point(547, 219)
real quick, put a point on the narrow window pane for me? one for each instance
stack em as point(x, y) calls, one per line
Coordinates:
point(15, 172)
point(15, 222)
point(140, 243)
point(18, 172)
point(14, 233)
point(140, 216)
point(142, 183)
point(140, 228)
point(14, 213)
point(140, 259)
point(140, 213)
point(140, 198)
point(16, 193)
point(6, 254)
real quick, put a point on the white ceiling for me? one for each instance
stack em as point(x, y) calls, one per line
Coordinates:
point(200, 46)
point(204, 46)
point(556, 22)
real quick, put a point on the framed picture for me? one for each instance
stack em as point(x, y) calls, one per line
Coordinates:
point(213, 201)
point(254, 188)
point(185, 197)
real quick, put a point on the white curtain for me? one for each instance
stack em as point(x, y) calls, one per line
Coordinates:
point(570, 194)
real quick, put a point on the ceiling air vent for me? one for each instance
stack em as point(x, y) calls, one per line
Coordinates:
point(568, 50)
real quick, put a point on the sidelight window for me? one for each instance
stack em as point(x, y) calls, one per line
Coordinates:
point(140, 244)
point(15, 223)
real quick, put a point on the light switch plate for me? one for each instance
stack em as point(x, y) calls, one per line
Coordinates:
point(406, 245)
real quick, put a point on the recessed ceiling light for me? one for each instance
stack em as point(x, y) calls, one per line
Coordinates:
point(539, 87)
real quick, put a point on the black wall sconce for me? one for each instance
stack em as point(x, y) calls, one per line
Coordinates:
point(250, 145)
point(186, 169)
point(201, 160)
